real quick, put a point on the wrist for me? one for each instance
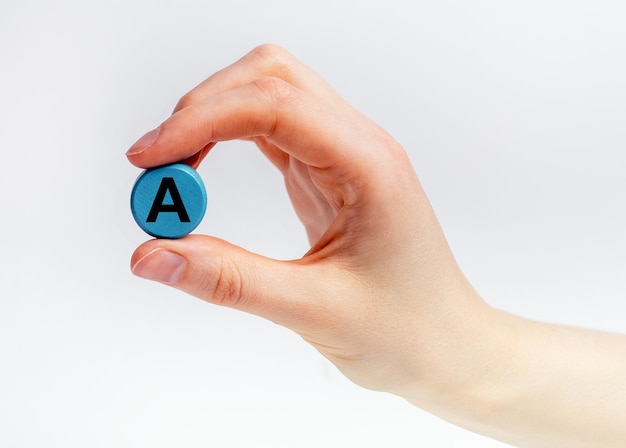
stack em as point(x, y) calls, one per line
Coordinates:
point(465, 376)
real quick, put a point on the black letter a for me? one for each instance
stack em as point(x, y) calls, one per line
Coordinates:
point(168, 184)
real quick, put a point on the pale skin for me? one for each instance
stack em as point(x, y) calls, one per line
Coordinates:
point(379, 293)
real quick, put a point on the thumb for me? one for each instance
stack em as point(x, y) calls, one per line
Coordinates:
point(224, 274)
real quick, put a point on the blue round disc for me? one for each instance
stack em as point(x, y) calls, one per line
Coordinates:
point(168, 201)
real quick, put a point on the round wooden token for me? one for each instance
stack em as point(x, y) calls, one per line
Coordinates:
point(168, 201)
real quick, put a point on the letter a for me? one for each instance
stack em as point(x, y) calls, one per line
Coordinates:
point(168, 184)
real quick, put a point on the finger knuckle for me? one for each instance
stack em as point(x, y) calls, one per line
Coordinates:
point(269, 52)
point(275, 59)
point(276, 90)
point(226, 287)
point(187, 100)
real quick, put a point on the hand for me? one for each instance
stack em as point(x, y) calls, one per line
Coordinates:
point(378, 293)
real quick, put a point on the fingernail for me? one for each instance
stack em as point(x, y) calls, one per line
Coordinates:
point(161, 266)
point(144, 142)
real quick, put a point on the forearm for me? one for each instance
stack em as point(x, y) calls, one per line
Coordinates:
point(540, 385)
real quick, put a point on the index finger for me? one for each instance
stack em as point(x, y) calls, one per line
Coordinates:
point(313, 132)
point(264, 61)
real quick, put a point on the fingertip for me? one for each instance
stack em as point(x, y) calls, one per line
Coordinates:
point(144, 142)
point(160, 265)
point(161, 260)
point(180, 246)
point(171, 142)
point(142, 250)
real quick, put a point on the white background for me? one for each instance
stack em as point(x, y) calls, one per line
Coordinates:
point(514, 114)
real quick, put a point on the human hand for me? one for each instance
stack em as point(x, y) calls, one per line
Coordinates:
point(379, 293)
